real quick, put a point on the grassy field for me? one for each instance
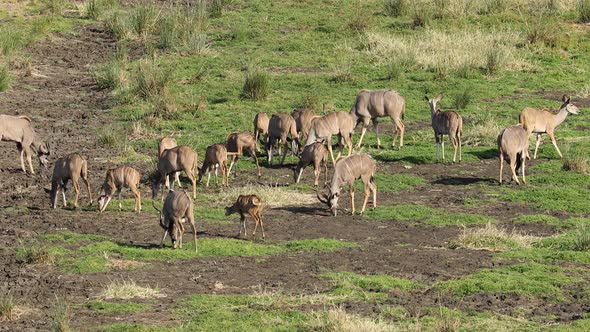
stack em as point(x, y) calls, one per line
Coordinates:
point(202, 72)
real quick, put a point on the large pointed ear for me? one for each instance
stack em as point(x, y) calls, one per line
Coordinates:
point(48, 191)
point(426, 98)
point(565, 99)
point(439, 97)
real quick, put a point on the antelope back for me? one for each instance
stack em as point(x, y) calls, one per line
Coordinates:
point(166, 143)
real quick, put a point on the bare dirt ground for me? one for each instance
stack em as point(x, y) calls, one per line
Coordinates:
point(68, 109)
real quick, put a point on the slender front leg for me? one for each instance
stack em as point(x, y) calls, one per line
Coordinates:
point(22, 159)
point(63, 196)
point(537, 145)
point(163, 238)
point(28, 153)
point(551, 135)
point(501, 165)
point(376, 127)
point(523, 166)
point(513, 169)
point(352, 198)
point(363, 131)
point(366, 198)
point(442, 146)
point(120, 206)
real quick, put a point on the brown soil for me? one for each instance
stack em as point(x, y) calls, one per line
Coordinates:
point(67, 107)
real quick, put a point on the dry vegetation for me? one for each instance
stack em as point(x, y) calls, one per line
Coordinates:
point(128, 289)
point(271, 196)
point(492, 237)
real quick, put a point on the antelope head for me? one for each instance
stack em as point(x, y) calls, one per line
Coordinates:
point(156, 181)
point(329, 198)
point(571, 108)
point(432, 102)
point(42, 153)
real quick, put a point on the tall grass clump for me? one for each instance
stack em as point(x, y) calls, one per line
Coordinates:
point(421, 17)
point(61, 317)
point(145, 16)
point(576, 161)
point(11, 40)
point(583, 7)
point(111, 75)
point(256, 84)
point(494, 61)
point(399, 65)
point(183, 29)
point(53, 7)
point(95, 9)
point(582, 240)
point(5, 78)
point(462, 99)
point(151, 81)
point(483, 131)
point(7, 308)
point(216, 8)
point(396, 8)
point(491, 237)
point(128, 289)
point(117, 24)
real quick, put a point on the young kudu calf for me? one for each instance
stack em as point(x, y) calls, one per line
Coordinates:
point(252, 205)
point(336, 123)
point(117, 179)
point(180, 158)
point(346, 171)
point(178, 206)
point(513, 144)
point(372, 105)
point(19, 129)
point(542, 121)
point(282, 130)
point(449, 123)
point(215, 159)
point(71, 167)
point(236, 144)
point(165, 144)
point(317, 154)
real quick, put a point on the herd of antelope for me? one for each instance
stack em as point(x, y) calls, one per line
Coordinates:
point(276, 133)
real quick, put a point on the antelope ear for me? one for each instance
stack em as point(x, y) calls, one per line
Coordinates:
point(48, 191)
point(426, 98)
point(565, 99)
point(439, 97)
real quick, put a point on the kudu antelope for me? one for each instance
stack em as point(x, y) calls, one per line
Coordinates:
point(317, 154)
point(346, 171)
point(372, 105)
point(177, 206)
point(180, 158)
point(117, 179)
point(165, 144)
point(335, 123)
point(71, 167)
point(281, 130)
point(19, 129)
point(303, 118)
point(513, 144)
point(252, 205)
point(236, 144)
point(261, 127)
point(215, 159)
point(541, 121)
point(449, 123)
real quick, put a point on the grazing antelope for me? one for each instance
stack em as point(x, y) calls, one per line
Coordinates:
point(336, 123)
point(372, 105)
point(236, 144)
point(261, 127)
point(71, 167)
point(165, 144)
point(346, 171)
point(252, 205)
point(542, 121)
point(317, 154)
point(215, 159)
point(180, 158)
point(513, 144)
point(281, 130)
point(178, 206)
point(303, 118)
point(449, 123)
point(19, 129)
point(117, 179)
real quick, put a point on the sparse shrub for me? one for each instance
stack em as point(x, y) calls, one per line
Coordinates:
point(483, 132)
point(576, 161)
point(151, 80)
point(196, 43)
point(360, 19)
point(144, 18)
point(582, 240)
point(256, 84)
point(110, 76)
point(395, 8)
point(61, 317)
point(11, 40)
point(466, 70)
point(5, 78)
point(399, 65)
point(310, 100)
point(342, 73)
point(441, 71)
point(108, 136)
point(492, 237)
point(117, 24)
point(239, 31)
point(584, 11)
point(7, 308)
point(168, 33)
point(164, 107)
point(542, 30)
point(494, 61)
point(421, 17)
point(462, 99)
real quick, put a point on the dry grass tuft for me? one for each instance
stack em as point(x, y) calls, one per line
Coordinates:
point(271, 196)
point(128, 289)
point(483, 132)
point(576, 161)
point(341, 321)
point(490, 237)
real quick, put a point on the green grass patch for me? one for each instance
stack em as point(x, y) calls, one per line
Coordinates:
point(367, 287)
point(115, 307)
point(71, 238)
point(317, 245)
point(124, 327)
point(529, 279)
point(396, 182)
point(83, 264)
point(430, 216)
point(545, 255)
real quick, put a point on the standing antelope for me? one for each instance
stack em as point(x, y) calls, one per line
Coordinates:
point(252, 205)
point(178, 206)
point(71, 167)
point(19, 129)
point(303, 118)
point(542, 121)
point(317, 154)
point(336, 123)
point(236, 144)
point(346, 171)
point(513, 144)
point(261, 127)
point(180, 158)
point(372, 105)
point(165, 144)
point(215, 158)
point(115, 180)
point(449, 123)
point(281, 130)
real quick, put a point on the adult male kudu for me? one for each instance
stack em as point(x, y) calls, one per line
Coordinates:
point(346, 171)
point(542, 121)
point(449, 123)
point(372, 105)
point(19, 129)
